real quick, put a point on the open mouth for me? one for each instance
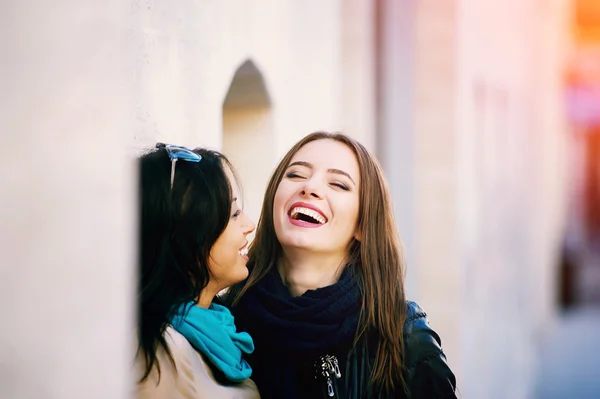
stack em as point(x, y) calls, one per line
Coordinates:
point(244, 251)
point(307, 215)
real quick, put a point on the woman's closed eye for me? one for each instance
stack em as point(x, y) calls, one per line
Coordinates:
point(341, 186)
point(236, 213)
point(293, 175)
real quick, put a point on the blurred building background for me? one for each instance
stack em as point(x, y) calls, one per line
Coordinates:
point(581, 264)
point(484, 114)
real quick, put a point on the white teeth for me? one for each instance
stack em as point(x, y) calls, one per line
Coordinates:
point(308, 212)
point(244, 251)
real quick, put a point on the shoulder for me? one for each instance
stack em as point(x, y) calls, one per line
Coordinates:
point(191, 375)
point(172, 377)
point(420, 340)
point(178, 344)
point(414, 314)
point(182, 351)
point(428, 373)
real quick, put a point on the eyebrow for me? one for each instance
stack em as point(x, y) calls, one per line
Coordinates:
point(310, 166)
point(234, 199)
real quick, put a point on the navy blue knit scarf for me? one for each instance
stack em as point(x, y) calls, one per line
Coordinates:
point(288, 331)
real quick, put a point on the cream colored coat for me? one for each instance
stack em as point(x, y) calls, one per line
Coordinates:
point(193, 378)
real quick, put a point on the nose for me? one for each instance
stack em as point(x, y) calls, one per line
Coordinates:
point(312, 188)
point(249, 225)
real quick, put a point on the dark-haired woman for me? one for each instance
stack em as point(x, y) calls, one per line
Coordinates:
point(192, 245)
point(325, 299)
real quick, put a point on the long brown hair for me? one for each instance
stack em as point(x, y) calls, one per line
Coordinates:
point(379, 255)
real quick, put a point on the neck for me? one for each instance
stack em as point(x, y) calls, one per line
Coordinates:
point(207, 295)
point(301, 271)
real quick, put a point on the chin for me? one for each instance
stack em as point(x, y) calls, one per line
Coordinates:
point(299, 241)
point(237, 275)
point(243, 274)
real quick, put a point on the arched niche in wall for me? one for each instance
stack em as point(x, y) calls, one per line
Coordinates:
point(248, 137)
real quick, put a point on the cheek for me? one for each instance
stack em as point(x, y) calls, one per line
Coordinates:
point(279, 195)
point(217, 253)
point(279, 202)
point(224, 248)
point(351, 214)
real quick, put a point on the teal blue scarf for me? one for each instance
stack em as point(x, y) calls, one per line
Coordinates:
point(212, 332)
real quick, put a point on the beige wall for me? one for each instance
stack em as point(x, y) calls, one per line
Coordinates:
point(67, 207)
point(248, 141)
point(357, 70)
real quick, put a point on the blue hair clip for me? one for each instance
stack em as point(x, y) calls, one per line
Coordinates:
point(176, 153)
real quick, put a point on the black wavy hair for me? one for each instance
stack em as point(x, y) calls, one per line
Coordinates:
point(177, 228)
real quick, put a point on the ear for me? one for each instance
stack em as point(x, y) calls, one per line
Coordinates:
point(357, 235)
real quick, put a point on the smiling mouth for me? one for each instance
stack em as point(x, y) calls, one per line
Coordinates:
point(244, 251)
point(307, 215)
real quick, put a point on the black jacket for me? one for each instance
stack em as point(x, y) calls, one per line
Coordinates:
point(427, 373)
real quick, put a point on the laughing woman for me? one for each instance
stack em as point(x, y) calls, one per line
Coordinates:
point(325, 298)
point(192, 240)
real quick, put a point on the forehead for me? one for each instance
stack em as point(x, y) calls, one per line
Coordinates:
point(329, 154)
